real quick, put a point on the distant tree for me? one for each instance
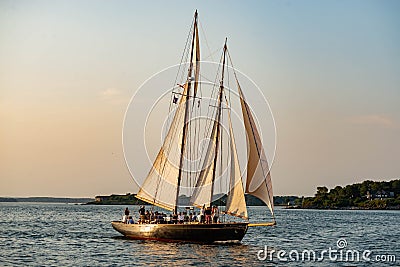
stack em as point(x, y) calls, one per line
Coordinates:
point(335, 191)
point(395, 186)
point(351, 191)
point(364, 188)
point(375, 187)
point(322, 191)
point(298, 201)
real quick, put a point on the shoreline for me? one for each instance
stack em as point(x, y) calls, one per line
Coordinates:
point(342, 208)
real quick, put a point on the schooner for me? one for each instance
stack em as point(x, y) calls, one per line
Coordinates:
point(162, 186)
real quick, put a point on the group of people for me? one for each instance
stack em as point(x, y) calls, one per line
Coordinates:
point(209, 214)
point(206, 215)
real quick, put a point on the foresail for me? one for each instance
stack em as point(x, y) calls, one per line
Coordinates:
point(258, 182)
point(202, 192)
point(235, 203)
point(160, 185)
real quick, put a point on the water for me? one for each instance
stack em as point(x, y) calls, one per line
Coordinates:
point(76, 235)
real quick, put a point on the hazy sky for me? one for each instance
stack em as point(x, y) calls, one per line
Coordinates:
point(330, 70)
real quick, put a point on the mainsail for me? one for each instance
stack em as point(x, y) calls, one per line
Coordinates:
point(258, 182)
point(160, 186)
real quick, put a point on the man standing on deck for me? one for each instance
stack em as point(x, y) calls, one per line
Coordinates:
point(142, 213)
point(215, 214)
point(126, 215)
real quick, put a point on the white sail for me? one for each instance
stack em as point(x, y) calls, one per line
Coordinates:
point(160, 186)
point(202, 192)
point(235, 203)
point(258, 182)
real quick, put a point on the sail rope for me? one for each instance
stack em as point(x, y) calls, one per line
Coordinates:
point(185, 52)
point(205, 39)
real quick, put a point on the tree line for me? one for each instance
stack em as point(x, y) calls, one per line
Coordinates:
point(366, 195)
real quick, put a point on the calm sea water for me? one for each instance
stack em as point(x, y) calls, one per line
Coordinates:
point(78, 235)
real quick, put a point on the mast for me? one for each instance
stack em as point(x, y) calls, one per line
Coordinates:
point(184, 131)
point(221, 89)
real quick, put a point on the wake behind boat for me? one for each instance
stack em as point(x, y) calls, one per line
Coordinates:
point(173, 166)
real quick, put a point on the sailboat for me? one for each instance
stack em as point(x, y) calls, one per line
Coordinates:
point(162, 186)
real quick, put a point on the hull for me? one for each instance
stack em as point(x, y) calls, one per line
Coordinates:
point(196, 233)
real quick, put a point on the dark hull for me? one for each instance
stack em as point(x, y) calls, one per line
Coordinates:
point(197, 233)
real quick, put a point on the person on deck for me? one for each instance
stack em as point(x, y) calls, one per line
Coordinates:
point(175, 218)
point(202, 210)
point(181, 217)
point(194, 217)
point(126, 215)
point(142, 214)
point(168, 218)
point(208, 212)
point(161, 218)
point(215, 214)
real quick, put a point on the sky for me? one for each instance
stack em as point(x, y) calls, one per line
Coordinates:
point(329, 69)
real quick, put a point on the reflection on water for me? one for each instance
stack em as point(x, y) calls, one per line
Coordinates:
point(74, 235)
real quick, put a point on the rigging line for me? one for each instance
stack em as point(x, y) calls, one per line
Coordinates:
point(205, 38)
point(206, 79)
point(229, 85)
point(198, 137)
point(215, 81)
point(252, 129)
point(211, 55)
point(186, 60)
point(196, 145)
point(198, 152)
point(228, 156)
point(229, 152)
point(192, 144)
point(213, 95)
point(185, 51)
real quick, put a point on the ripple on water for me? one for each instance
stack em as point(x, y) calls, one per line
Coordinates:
point(75, 235)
